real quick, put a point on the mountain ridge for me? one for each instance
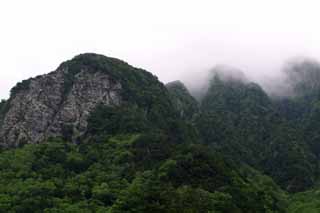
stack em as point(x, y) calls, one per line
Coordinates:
point(99, 135)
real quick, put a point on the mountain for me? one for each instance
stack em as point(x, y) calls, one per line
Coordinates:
point(60, 103)
point(238, 114)
point(302, 77)
point(241, 121)
point(98, 135)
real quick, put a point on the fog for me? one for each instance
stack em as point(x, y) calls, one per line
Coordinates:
point(175, 40)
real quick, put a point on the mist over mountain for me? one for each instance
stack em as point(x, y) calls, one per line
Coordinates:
point(99, 135)
point(159, 106)
point(296, 76)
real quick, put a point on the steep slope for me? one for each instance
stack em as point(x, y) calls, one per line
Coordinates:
point(135, 152)
point(186, 105)
point(302, 87)
point(238, 114)
point(302, 77)
point(302, 107)
point(240, 120)
point(59, 103)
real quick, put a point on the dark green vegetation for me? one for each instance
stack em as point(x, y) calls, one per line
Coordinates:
point(305, 202)
point(129, 173)
point(2, 104)
point(241, 121)
point(185, 104)
point(138, 86)
point(237, 151)
point(278, 136)
point(3, 109)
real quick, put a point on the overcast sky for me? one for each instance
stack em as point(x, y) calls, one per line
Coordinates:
point(172, 39)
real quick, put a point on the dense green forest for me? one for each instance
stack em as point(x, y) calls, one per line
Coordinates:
point(237, 150)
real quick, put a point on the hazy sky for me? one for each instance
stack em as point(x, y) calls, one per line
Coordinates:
point(172, 39)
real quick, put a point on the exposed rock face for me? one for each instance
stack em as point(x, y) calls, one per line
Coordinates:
point(59, 104)
point(51, 106)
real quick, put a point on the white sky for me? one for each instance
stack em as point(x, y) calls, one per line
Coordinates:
point(173, 39)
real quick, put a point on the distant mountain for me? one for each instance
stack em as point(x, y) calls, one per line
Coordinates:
point(243, 122)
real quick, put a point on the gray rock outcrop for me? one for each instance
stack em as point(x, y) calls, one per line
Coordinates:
point(51, 106)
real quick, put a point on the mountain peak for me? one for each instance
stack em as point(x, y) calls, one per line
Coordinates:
point(227, 74)
point(59, 104)
point(303, 76)
point(186, 105)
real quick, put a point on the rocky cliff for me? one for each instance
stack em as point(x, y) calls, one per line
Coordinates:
point(59, 103)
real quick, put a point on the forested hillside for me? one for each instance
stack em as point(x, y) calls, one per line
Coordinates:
point(243, 122)
point(115, 139)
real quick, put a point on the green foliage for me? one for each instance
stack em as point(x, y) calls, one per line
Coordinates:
point(185, 104)
point(145, 155)
point(139, 87)
point(240, 121)
point(108, 120)
point(126, 173)
point(305, 202)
